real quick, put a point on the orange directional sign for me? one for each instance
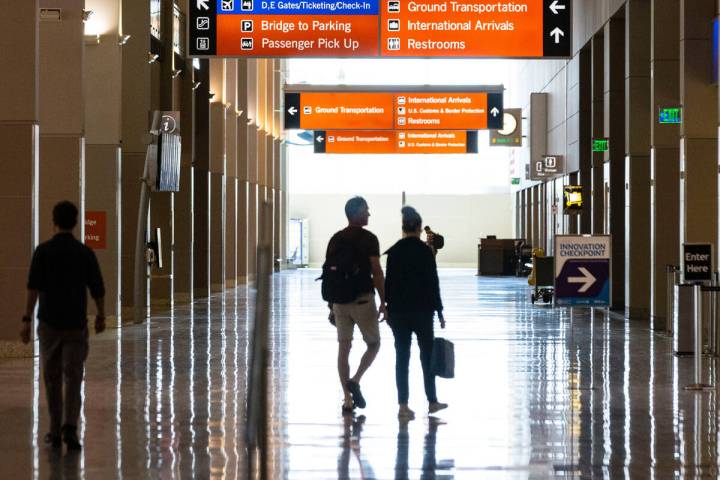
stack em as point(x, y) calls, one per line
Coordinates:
point(395, 142)
point(380, 28)
point(398, 110)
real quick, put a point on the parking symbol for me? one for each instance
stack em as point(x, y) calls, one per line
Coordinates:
point(246, 5)
point(393, 6)
point(393, 43)
point(227, 5)
point(394, 25)
point(246, 26)
point(203, 23)
point(203, 43)
point(246, 43)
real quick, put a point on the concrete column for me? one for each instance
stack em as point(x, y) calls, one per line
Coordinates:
point(62, 117)
point(184, 206)
point(161, 203)
point(136, 106)
point(19, 137)
point(614, 130)
point(242, 171)
point(527, 202)
point(218, 114)
point(698, 132)
point(277, 201)
point(665, 140)
point(637, 162)
point(597, 65)
point(535, 214)
point(201, 192)
point(102, 109)
point(585, 135)
point(231, 182)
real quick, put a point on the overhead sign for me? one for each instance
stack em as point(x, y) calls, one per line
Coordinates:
point(390, 110)
point(697, 262)
point(600, 145)
point(547, 166)
point(582, 270)
point(510, 135)
point(380, 28)
point(395, 142)
point(572, 199)
point(670, 115)
point(432, 28)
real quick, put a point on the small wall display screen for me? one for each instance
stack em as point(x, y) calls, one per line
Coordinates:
point(573, 199)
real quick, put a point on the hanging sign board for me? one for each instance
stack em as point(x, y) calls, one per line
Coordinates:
point(547, 166)
point(510, 135)
point(439, 108)
point(582, 270)
point(395, 142)
point(380, 28)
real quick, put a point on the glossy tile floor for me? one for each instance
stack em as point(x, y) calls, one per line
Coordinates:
point(538, 393)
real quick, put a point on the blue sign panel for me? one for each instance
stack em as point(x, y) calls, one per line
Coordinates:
point(582, 269)
point(298, 7)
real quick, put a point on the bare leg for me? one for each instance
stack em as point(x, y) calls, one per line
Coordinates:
point(366, 360)
point(344, 369)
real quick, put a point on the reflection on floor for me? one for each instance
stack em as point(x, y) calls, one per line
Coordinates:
point(538, 393)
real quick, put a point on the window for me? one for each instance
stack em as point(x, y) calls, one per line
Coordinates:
point(178, 31)
point(155, 18)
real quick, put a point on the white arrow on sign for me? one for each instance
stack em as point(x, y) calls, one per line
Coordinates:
point(588, 279)
point(292, 111)
point(557, 33)
point(320, 138)
point(554, 7)
point(495, 112)
point(202, 5)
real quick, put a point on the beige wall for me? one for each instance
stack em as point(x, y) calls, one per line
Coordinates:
point(447, 214)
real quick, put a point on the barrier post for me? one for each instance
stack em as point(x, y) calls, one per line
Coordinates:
point(698, 386)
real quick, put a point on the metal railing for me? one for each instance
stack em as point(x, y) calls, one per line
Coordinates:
point(257, 393)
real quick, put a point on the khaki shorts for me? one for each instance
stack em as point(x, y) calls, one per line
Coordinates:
point(361, 312)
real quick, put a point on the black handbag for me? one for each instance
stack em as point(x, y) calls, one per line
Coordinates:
point(443, 358)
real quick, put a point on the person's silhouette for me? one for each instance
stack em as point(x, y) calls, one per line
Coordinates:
point(351, 446)
point(430, 466)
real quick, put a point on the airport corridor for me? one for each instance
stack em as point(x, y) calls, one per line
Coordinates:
point(540, 392)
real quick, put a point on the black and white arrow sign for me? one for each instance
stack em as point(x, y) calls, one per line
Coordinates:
point(292, 111)
point(495, 112)
point(554, 7)
point(320, 138)
point(557, 33)
point(203, 5)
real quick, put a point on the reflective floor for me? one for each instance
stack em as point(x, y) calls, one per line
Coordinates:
point(538, 393)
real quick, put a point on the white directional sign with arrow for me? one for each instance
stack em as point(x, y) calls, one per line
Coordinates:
point(203, 5)
point(292, 110)
point(557, 33)
point(587, 279)
point(555, 7)
point(494, 112)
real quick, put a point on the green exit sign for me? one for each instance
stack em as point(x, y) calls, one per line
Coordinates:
point(600, 144)
point(516, 181)
point(670, 116)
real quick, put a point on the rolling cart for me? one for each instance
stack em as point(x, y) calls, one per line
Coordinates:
point(542, 277)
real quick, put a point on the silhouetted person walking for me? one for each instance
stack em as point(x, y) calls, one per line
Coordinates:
point(62, 270)
point(412, 293)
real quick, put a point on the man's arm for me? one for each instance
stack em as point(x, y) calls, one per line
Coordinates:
point(32, 297)
point(379, 283)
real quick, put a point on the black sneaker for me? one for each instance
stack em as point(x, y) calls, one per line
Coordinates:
point(69, 434)
point(357, 396)
point(52, 440)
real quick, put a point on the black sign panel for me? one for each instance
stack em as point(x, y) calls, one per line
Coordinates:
point(697, 262)
point(495, 110)
point(319, 141)
point(292, 111)
point(202, 28)
point(557, 41)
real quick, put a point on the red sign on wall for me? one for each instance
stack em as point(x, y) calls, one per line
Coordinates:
point(96, 230)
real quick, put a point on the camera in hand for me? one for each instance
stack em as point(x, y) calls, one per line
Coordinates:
point(436, 240)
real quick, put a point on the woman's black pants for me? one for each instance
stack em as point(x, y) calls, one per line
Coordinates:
point(403, 326)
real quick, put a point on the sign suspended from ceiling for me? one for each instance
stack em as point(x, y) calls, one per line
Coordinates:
point(395, 142)
point(380, 28)
point(390, 108)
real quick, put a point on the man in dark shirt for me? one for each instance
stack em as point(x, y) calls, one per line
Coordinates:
point(361, 311)
point(62, 270)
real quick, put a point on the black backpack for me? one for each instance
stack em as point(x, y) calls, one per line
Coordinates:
point(341, 275)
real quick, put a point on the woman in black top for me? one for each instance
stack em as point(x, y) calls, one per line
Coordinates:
point(412, 293)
